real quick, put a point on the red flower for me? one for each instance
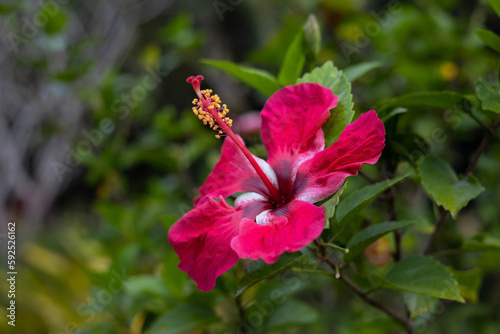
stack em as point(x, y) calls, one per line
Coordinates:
point(275, 214)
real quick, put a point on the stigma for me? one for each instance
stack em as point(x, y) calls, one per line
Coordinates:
point(209, 108)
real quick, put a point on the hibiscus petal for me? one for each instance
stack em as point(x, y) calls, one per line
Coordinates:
point(233, 173)
point(361, 142)
point(286, 229)
point(292, 117)
point(291, 127)
point(201, 239)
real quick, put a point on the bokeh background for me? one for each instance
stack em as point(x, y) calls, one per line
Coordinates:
point(100, 154)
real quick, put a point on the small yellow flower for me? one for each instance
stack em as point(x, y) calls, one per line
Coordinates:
point(448, 70)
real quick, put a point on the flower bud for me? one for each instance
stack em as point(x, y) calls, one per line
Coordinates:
point(312, 35)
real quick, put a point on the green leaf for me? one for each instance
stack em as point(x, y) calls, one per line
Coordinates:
point(7, 8)
point(422, 275)
point(56, 22)
point(331, 203)
point(489, 96)
point(498, 73)
point(183, 318)
point(368, 323)
point(419, 304)
point(394, 112)
point(443, 100)
point(261, 80)
point(169, 220)
point(410, 145)
point(114, 214)
point(496, 6)
point(329, 76)
point(481, 243)
point(353, 204)
point(469, 283)
point(259, 270)
point(367, 236)
point(490, 39)
point(146, 285)
point(74, 72)
point(292, 313)
point(443, 186)
point(173, 278)
point(355, 71)
point(294, 61)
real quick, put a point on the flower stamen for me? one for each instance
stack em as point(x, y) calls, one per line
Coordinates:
point(213, 104)
point(210, 110)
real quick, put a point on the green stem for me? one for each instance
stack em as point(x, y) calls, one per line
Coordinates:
point(343, 250)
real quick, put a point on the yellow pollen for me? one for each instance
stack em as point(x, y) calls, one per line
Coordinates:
point(210, 106)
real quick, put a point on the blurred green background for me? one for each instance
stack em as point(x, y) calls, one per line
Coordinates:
point(100, 155)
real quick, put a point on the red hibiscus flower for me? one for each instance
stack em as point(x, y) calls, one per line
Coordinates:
point(275, 214)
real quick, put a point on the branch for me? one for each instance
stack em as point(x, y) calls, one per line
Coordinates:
point(407, 323)
point(398, 236)
point(241, 314)
point(488, 136)
point(439, 226)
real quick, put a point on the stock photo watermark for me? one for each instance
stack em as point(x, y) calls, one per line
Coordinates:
point(363, 35)
point(92, 306)
point(31, 25)
point(264, 309)
point(422, 321)
point(453, 118)
point(11, 273)
point(92, 139)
